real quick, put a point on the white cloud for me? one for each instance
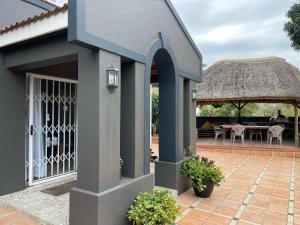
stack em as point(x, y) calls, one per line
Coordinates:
point(220, 34)
point(238, 29)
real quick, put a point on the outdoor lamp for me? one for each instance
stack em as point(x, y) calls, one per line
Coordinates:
point(112, 74)
point(194, 95)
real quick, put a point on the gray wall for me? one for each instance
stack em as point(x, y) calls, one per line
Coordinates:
point(12, 11)
point(190, 133)
point(116, 24)
point(99, 123)
point(12, 129)
point(132, 119)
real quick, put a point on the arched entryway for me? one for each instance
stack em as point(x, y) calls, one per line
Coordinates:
point(167, 168)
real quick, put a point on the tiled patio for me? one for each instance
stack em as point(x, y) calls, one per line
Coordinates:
point(258, 190)
point(9, 217)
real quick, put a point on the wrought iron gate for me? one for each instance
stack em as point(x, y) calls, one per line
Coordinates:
point(51, 128)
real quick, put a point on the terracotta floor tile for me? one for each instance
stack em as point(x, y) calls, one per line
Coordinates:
point(264, 190)
point(297, 220)
point(260, 201)
point(280, 205)
point(5, 212)
point(187, 221)
point(253, 214)
point(218, 220)
point(187, 199)
point(275, 217)
point(237, 196)
point(280, 193)
point(199, 215)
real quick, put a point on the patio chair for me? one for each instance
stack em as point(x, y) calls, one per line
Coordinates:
point(275, 132)
point(238, 131)
point(219, 131)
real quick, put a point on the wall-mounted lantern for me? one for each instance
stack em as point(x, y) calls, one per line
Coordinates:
point(113, 79)
point(194, 95)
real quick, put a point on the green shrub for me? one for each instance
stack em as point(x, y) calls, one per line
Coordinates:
point(153, 209)
point(199, 171)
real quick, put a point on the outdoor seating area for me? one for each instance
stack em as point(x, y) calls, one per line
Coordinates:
point(272, 132)
point(220, 88)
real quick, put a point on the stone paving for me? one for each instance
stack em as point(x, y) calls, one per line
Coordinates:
point(258, 190)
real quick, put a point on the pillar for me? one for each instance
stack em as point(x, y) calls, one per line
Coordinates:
point(171, 136)
point(100, 196)
point(12, 132)
point(190, 133)
point(132, 119)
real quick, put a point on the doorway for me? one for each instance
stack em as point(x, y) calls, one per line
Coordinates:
point(51, 128)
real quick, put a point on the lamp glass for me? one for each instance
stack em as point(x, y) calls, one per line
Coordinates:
point(112, 76)
point(194, 94)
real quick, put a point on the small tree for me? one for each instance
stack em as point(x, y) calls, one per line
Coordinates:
point(292, 27)
point(155, 110)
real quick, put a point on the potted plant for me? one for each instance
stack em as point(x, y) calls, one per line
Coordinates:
point(204, 175)
point(159, 208)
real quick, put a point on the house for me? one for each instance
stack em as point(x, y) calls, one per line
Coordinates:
point(75, 95)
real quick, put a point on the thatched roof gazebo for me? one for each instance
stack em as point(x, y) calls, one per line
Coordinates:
point(265, 80)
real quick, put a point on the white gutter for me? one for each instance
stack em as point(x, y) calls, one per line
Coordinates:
point(35, 29)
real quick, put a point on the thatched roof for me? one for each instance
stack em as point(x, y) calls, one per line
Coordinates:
point(269, 79)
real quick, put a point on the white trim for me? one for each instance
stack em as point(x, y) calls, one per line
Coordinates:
point(56, 177)
point(41, 27)
point(30, 155)
point(51, 78)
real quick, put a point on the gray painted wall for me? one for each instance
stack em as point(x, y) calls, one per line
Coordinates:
point(12, 132)
point(99, 123)
point(117, 24)
point(132, 119)
point(12, 11)
point(189, 116)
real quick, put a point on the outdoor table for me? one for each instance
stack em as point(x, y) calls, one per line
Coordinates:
point(254, 127)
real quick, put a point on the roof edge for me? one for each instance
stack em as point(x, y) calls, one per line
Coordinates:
point(184, 29)
point(253, 60)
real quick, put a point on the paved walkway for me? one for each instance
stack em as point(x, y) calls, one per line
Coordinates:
point(9, 217)
point(258, 190)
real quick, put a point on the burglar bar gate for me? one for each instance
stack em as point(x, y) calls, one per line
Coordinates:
point(51, 128)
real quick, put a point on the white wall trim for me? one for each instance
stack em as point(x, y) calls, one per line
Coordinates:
point(39, 28)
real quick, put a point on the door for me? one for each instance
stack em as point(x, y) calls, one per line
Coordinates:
point(51, 128)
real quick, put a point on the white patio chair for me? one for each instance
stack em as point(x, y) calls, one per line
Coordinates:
point(219, 131)
point(238, 131)
point(275, 132)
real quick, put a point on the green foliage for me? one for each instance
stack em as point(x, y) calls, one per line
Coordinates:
point(292, 27)
point(155, 109)
point(121, 162)
point(199, 171)
point(251, 109)
point(153, 209)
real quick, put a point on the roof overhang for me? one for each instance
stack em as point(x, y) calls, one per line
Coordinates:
point(36, 29)
point(263, 99)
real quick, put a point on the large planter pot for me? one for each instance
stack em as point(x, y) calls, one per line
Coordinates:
point(206, 193)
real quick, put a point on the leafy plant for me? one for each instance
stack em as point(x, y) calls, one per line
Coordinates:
point(199, 171)
point(121, 163)
point(153, 209)
point(155, 110)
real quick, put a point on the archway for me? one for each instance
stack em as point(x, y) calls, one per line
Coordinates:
point(167, 168)
point(163, 73)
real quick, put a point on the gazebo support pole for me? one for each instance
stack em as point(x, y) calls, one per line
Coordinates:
point(239, 107)
point(296, 125)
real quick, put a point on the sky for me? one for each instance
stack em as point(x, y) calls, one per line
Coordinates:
point(230, 29)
